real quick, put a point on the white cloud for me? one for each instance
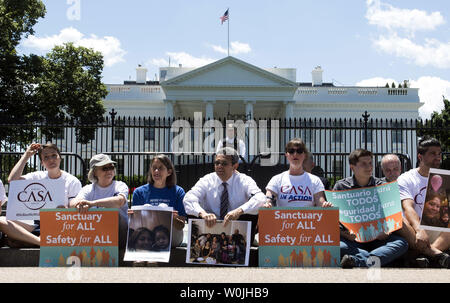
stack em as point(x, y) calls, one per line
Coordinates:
point(109, 46)
point(236, 48)
point(431, 90)
point(433, 52)
point(182, 58)
point(389, 17)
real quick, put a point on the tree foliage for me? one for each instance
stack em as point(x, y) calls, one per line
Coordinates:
point(64, 84)
point(439, 127)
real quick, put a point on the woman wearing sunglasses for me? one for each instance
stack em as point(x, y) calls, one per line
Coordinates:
point(296, 187)
point(104, 192)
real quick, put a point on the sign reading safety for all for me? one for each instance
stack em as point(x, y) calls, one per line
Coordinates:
point(92, 237)
point(306, 237)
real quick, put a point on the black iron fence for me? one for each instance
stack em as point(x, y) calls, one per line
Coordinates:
point(132, 142)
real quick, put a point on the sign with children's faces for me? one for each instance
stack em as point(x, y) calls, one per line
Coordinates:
point(219, 244)
point(435, 213)
point(27, 197)
point(149, 234)
point(298, 237)
point(368, 212)
point(69, 237)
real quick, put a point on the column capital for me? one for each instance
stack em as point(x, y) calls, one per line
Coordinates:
point(211, 101)
point(249, 101)
point(288, 101)
point(172, 101)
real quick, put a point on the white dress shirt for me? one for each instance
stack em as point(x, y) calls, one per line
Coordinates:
point(205, 195)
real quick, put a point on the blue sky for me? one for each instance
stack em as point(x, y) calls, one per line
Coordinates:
point(356, 42)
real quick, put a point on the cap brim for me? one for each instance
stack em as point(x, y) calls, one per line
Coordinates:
point(104, 162)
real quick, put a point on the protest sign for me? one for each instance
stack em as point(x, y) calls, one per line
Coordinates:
point(435, 213)
point(27, 197)
point(149, 234)
point(369, 211)
point(298, 237)
point(219, 245)
point(92, 237)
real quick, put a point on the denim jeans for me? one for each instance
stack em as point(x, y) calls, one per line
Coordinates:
point(387, 250)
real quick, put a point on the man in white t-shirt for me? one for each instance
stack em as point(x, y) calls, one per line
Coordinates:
point(24, 232)
point(412, 186)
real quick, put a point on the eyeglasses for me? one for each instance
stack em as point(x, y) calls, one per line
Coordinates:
point(223, 163)
point(108, 168)
point(298, 150)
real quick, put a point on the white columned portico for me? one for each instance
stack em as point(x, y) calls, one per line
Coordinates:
point(169, 107)
point(289, 109)
point(249, 109)
point(209, 110)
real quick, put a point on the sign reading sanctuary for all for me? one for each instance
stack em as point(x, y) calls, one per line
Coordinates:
point(369, 211)
point(298, 237)
point(88, 239)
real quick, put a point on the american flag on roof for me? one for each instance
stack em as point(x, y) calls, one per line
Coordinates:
point(224, 17)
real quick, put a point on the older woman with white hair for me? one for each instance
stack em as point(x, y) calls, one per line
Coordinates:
point(104, 192)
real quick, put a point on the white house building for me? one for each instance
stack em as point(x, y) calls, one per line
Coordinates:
point(233, 87)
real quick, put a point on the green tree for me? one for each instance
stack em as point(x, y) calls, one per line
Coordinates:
point(17, 19)
point(70, 87)
point(439, 127)
point(65, 84)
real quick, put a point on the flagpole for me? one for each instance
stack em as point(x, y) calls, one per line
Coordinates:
point(228, 9)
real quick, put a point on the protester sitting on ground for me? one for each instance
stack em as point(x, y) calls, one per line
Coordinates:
point(23, 233)
point(308, 166)
point(391, 167)
point(387, 246)
point(225, 194)
point(162, 189)
point(296, 187)
point(430, 246)
point(104, 192)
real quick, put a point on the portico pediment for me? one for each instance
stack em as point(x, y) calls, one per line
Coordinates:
point(229, 72)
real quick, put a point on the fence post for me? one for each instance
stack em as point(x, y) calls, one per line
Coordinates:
point(366, 119)
point(113, 114)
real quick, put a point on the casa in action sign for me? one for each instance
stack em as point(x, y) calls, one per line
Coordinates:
point(91, 237)
point(369, 211)
point(298, 237)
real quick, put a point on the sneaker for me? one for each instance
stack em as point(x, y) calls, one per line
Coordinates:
point(442, 260)
point(348, 261)
point(422, 262)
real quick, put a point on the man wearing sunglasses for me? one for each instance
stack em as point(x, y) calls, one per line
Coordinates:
point(224, 194)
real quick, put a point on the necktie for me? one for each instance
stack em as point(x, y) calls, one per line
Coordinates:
point(224, 203)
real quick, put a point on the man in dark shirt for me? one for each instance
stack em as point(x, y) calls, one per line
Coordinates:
point(386, 247)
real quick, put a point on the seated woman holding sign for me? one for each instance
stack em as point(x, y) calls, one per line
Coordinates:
point(104, 192)
point(296, 187)
point(162, 189)
point(25, 233)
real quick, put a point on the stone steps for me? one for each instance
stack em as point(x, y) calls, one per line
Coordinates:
point(29, 257)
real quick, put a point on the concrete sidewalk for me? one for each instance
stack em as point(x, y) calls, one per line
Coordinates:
point(221, 275)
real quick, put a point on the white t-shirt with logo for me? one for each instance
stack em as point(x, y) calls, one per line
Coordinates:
point(93, 192)
point(295, 191)
point(413, 186)
point(71, 188)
